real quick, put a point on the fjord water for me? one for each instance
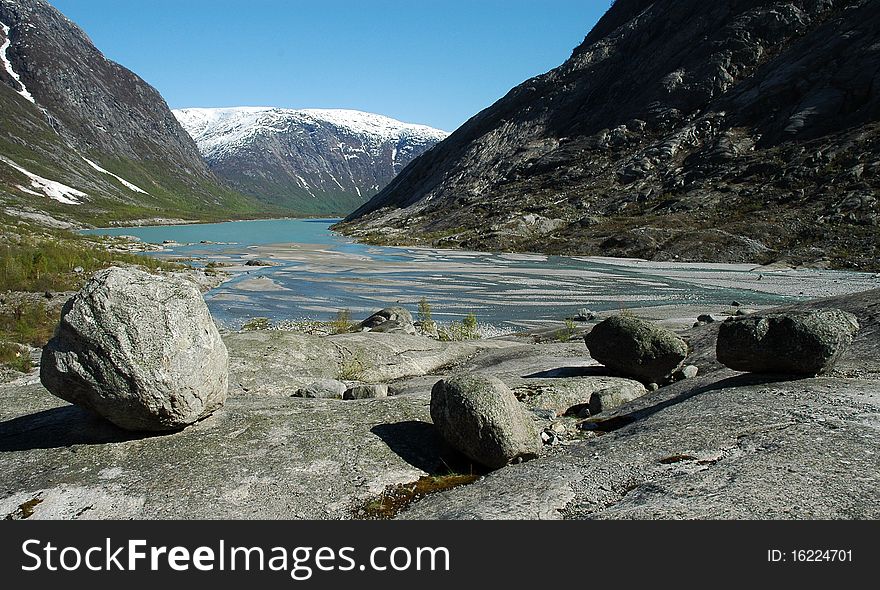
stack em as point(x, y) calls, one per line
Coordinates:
point(319, 272)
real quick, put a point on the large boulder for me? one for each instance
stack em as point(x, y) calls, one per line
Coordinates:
point(140, 350)
point(479, 416)
point(795, 342)
point(394, 320)
point(636, 348)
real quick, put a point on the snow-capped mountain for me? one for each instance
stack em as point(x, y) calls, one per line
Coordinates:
point(315, 161)
point(82, 138)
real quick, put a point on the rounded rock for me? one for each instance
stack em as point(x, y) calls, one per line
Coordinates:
point(795, 343)
point(366, 392)
point(480, 416)
point(636, 348)
point(141, 350)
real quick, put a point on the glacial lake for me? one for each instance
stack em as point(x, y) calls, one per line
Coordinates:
point(318, 272)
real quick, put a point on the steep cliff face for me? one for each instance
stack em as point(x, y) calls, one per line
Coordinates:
point(739, 130)
point(76, 123)
point(315, 161)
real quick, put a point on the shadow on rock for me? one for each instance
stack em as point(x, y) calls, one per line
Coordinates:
point(618, 421)
point(60, 427)
point(415, 442)
point(420, 445)
point(594, 371)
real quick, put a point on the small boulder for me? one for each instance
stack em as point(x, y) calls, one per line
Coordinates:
point(686, 372)
point(794, 343)
point(603, 401)
point(636, 348)
point(373, 391)
point(138, 349)
point(394, 320)
point(480, 416)
point(705, 318)
point(322, 389)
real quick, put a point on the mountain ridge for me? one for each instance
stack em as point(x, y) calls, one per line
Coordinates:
point(73, 120)
point(727, 131)
point(318, 161)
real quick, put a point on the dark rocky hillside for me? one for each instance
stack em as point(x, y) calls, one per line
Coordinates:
point(734, 130)
point(64, 103)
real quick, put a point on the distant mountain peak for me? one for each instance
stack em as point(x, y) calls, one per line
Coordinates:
point(318, 161)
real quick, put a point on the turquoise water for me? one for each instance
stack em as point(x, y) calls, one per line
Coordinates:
point(319, 272)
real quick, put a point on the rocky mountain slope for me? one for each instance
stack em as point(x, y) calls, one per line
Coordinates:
point(83, 138)
point(739, 130)
point(313, 161)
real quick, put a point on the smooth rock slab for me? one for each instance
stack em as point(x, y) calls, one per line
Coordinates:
point(141, 350)
point(480, 416)
point(796, 342)
point(636, 348)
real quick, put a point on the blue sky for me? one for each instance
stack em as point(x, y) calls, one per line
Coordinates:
point(431, 62)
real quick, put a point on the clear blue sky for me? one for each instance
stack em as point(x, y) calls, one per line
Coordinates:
point(422, 61)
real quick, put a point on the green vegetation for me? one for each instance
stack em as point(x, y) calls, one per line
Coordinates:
point(50, 262)
point(13, 355)
point(565, 334)
point(352, 367)
point(28, 323)
point(426, 323)
point(254, 324)
point(342, 323)
point(393, 499)
point(466, 329)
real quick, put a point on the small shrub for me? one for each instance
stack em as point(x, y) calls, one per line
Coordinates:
point(427, 324)
point(14, 356)
point(460, 331)
point(565, 334)
point(256, 324)
point(28, 323)
point(352, 367)
point(342, 323)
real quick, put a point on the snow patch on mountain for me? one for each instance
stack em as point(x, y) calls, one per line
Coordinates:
point(124, 182)
point(8, 64)
point(52, 189)
point(220, 131)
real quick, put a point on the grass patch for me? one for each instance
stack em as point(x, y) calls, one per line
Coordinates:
point(393, 499)
point(466, 329)
point(341, 324)
point(14, 356)
point(28, 323)
point(352, 367)
point(55, 263)
point(255, 324)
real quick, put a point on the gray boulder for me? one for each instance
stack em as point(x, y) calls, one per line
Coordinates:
point(636, 348)
point(796, 342)
point(372, 391)
point(322, 389)
point(609, 399)
point(479, 416)
point(395, 320)
point(140, 350)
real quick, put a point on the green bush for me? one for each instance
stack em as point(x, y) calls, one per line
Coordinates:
point(28, 323)
point(48, 264)
point(459, 331)
point(342, 323)
point(426, 322)
point(13, 355)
